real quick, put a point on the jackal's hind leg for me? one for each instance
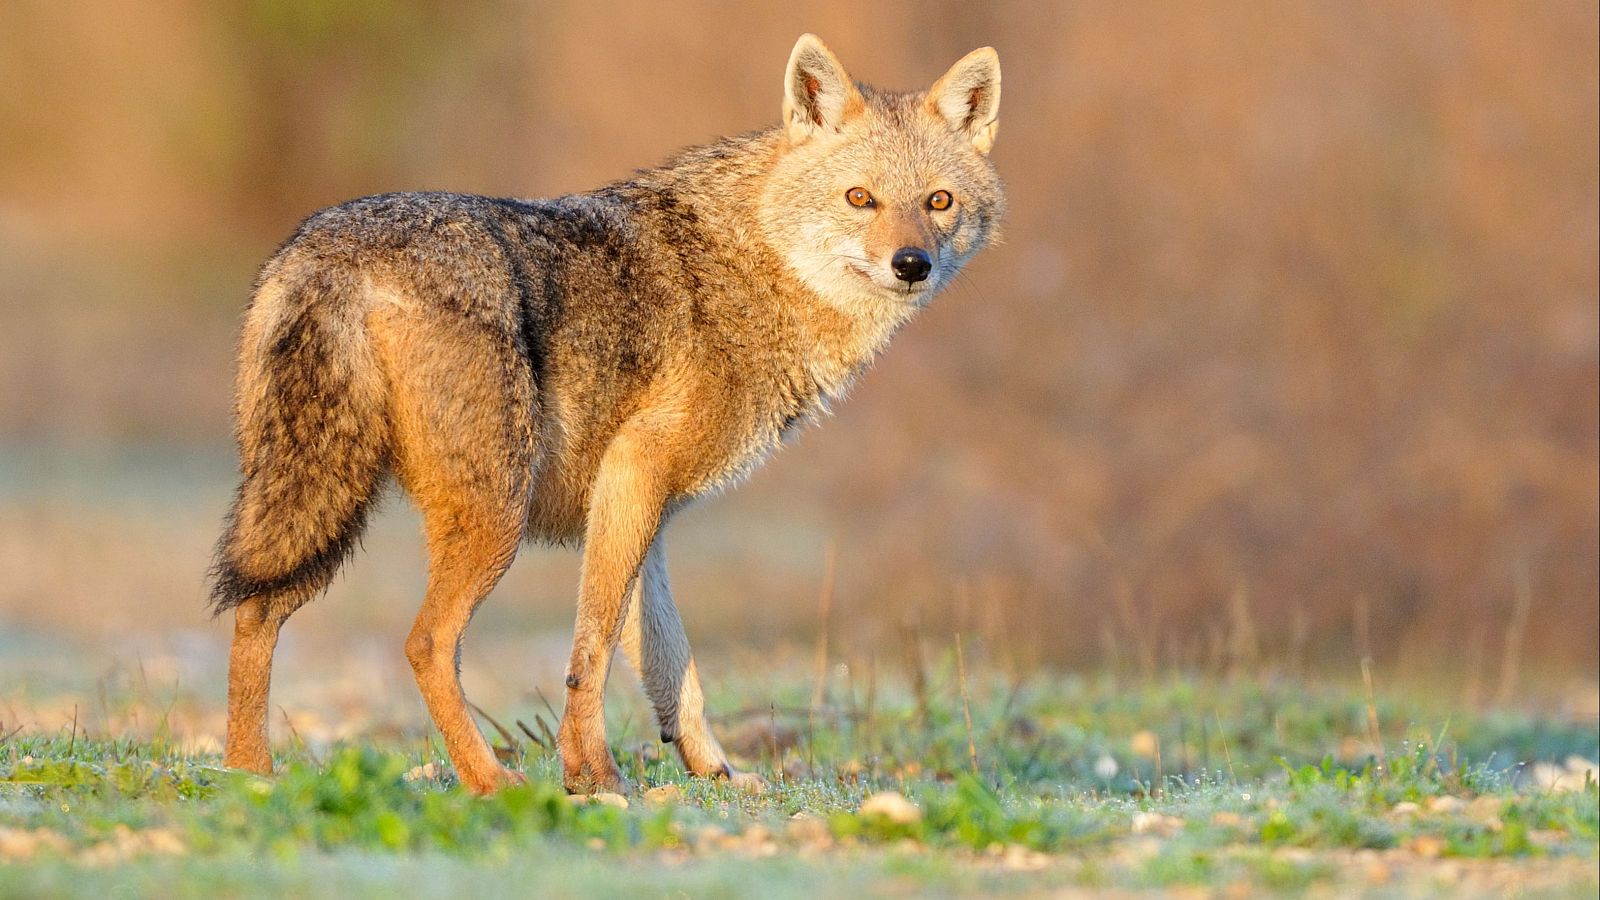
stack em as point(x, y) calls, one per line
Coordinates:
point(659, 650)
point(465, 563)
point(256, 623)
point(461, 408)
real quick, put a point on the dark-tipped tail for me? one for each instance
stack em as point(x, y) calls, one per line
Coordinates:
point(313, 444)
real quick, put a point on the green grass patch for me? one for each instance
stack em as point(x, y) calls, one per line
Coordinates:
point(1076, 785)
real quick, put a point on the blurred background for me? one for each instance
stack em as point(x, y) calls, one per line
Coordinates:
point(1288, 358)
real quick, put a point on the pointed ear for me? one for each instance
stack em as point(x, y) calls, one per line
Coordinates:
point(818, 94)
point(968, 97)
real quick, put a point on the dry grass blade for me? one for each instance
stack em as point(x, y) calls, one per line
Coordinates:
point(917, 669)
point(1227, 755)
point(512, 744)
point(1511, 663)
point(299, 743)
point(1373, 730)
point(819, 690)
point(554, 716)
point(544, 728)
point(523, 727)
point(966, 705)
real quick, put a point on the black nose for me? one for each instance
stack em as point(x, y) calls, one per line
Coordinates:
point(911, 264)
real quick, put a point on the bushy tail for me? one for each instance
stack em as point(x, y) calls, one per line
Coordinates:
point(313, 442)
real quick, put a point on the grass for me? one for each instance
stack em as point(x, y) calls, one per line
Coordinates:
point(1048, 783)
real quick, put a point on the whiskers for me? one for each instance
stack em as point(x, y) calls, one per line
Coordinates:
point(816, 265)
point(850, 256)
point(959, 277)
point(816, 262)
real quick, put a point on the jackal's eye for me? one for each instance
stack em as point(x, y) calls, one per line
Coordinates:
point(859, 197)
point(940, 200)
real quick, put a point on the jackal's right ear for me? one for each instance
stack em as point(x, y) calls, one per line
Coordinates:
point(818, 94)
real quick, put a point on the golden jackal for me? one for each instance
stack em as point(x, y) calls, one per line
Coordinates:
point(579, 369)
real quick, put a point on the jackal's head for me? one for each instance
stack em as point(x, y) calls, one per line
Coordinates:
point(879, 198)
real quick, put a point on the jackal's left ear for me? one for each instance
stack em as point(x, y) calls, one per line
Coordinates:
point(968, 97)
point(818, 94)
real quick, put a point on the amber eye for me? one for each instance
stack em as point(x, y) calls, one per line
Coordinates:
point(859, 197)
point(939, 200)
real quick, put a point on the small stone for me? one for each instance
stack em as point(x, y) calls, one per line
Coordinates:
point(1405, 809)
point(709, 837)
point(1484, 808)
point(1570, 777)
point(1228, 820)
point(664, 795)
point(1486, 812)
point(1140, 849)
point(808, 830)
point(1022, 859)
point(19, 843)
point(1156, 823)
point(164, 841)
point(1297, 855)
point(1446, 804)
point(1426, 846)
point(425, 772)
point(893, 806)
point(1105, 768)
point(604, 798)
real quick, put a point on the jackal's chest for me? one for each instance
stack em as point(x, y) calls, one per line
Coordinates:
point(734, 443)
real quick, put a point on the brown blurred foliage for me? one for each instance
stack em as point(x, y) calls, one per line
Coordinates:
point(1296, 313)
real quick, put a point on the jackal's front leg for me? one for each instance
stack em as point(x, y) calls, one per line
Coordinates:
point(624, 511)
point(656, 644)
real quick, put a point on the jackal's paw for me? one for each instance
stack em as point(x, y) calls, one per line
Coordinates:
point(607, 780)
point(749, 782)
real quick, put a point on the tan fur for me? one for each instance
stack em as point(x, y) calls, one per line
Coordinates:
point(576, 370)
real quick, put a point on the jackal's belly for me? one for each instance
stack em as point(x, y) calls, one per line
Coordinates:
point(558, 507)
